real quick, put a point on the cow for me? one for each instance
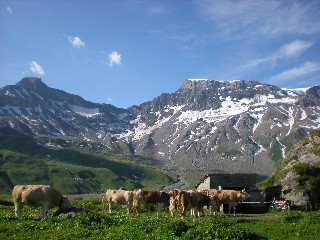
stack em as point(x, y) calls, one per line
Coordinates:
point(151, 197)
point(43, 195)
point(212, 193)
point(119, 197)
point(230, 197)
point(193, 199)
point(173, 201)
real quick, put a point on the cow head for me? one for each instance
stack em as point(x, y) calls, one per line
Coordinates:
point(65, 203)
point(244, 195)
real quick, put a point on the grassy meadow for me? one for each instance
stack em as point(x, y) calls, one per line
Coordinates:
point(95, 222)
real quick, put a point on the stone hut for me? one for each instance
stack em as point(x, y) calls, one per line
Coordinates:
point(258, 196)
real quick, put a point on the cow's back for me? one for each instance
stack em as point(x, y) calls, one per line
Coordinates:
point(119, 196)
point(36, 194)
point(150, 196)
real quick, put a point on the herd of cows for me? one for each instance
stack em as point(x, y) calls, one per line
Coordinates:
point(179, 200)
point(175, 199)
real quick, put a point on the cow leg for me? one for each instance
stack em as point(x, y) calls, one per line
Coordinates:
point(110, 207)
point(182, 211)
point(200, 211)
point(234, 210)
point(135, 209)
point(128, 207)
point(183, 214)
point(172, 206)
point(215, 207)
point(211, 209)
point(159, 205)
point(194, 213)
point(45, 207)
point(165, 209)
point(148, 209)
point(197, 212)
point(17, 209)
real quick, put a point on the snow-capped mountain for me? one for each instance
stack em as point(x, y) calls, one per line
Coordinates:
point(37, 109)
point(214, 126)
point(205, 126)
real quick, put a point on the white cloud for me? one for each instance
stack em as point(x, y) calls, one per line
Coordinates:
point(244, 18)
point(36, 68)
point(110, 100)
point(295, 48)
point(303, 70)
point(9, 10)
point(76, 42)
point(114, 58)
point(292, 49)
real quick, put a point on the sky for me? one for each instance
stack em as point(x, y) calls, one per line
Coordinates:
point(125, 52)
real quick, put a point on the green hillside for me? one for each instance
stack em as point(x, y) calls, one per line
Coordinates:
point(73, 167)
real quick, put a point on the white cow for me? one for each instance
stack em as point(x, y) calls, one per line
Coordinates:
point(230, 197)
point(119, 197)
point(38, 195)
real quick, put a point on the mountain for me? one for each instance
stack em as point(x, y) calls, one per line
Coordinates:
point(37, 109)
point(206, 126)
point(213, 126)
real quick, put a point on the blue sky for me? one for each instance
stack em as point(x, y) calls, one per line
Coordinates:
point(129, 52)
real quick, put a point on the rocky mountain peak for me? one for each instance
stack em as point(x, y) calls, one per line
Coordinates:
point(314, 91)
point(32, 83)
point(206, 84)
point(196, 84)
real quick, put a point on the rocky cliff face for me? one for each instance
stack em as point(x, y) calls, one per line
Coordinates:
point(206, 126)
point(299, 173)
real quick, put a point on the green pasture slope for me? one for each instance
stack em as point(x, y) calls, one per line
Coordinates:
point(75, 169)
point(97, 223)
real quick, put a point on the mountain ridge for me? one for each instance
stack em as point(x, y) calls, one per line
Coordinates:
point(206, 126)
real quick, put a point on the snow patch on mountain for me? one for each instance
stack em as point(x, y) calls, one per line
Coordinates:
point(83, 111)
point(198, 79)
point(141, 129)
point(294, 91)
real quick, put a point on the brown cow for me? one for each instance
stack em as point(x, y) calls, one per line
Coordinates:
point(193, 199)
point(151, 197)
point(119, 197)
point(38, 195)
point(230, 197)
